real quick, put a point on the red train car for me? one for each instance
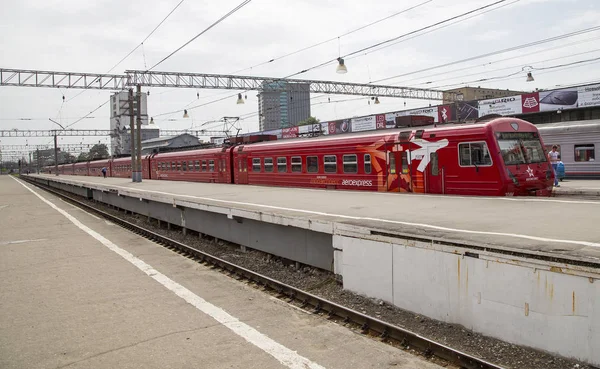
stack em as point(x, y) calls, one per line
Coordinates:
point(205, 165)
point(120, 167)
point(95, 167)
point(81, 169)
point(501, 157)
point(504, 156)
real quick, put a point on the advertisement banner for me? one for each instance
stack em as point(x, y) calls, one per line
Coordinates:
point(446, 113)
point(510, 105)
point(290, 132)
point(380, 121)
point(339, 126)
point(589, 96)
point(467, 110)
point(530, 103)
point(558, 99)
point(431, 111)
point(390, 120)
point(363, 124)
point(309, 129)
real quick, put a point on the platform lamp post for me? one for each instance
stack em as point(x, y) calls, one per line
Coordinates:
point(56, 145)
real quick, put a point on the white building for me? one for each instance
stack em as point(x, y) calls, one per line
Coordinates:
point(120, 143)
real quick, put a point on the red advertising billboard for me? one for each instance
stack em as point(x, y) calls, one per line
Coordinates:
point(290, 132)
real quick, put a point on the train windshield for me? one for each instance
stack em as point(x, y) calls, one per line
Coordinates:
point(520, 148)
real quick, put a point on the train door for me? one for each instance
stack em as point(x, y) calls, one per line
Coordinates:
point(242, 168)
point(434, 173)
point(394, 168)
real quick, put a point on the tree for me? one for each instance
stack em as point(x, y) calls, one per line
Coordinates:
point(309, 120)
point(98, 151)
point(82, 157)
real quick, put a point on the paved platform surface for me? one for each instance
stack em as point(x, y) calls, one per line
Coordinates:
point(549, 226)
point(92, 295)
point(578, 187)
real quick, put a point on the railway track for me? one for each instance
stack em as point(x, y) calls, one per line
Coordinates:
point(366, 324)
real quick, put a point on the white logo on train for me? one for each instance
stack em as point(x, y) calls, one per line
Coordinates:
point(357, 182)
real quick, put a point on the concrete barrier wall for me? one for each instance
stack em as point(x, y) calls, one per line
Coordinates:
point(537, 305)
point(297, 244)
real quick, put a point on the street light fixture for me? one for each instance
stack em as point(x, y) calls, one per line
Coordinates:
point(341, 68)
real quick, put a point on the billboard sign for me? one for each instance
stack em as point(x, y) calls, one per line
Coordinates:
point(363, 123)
point(510, 105)
point(339, 126)
point(290, 132)
point(558, 99)
point(588, 96)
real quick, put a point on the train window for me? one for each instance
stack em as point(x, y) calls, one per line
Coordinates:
point(330, 163)
point(312, 164)
point(367, 163)
point(173, 165)
point(350, 163)
point(296, 164)
point(179, 166)
point(404, 157)
point(282, 165)
point(204, 165)
point(392, 162)
point(184, 166)
point(211, 165)
point(433, 158)
point(474, 154)
point(190, 165)
point(256, 165)
point(585, 152)
point(197, 165)
point(268, 164)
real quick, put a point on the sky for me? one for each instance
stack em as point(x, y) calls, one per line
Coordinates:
point(82, 36)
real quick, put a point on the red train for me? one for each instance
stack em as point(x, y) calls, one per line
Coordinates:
point(501, 157)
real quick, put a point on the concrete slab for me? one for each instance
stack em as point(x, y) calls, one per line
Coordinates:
point(583, 187)
point(70, 301)
point(555, 227)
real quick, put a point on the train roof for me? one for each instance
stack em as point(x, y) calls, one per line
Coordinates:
point(579, 125)
point(174, 154)
point(389, 132)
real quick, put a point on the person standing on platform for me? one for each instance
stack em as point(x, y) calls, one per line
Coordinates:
point(104, 171)
point(553, 156)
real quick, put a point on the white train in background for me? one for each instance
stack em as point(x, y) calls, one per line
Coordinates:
point(578, 143)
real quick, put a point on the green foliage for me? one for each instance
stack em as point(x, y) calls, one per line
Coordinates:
point(98, 151)
point(309, 120)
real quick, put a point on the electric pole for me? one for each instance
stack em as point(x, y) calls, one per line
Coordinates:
point(139, 135)
point(55, 154)
point(132, 135)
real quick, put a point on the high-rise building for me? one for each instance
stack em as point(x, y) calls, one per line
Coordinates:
point(282, 104)
point(120, 142)
point(476, 93)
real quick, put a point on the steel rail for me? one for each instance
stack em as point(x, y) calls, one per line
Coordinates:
point(368, 325)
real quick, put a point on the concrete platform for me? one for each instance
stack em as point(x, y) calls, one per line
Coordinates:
point(582, 188)
point(79, 292)
point(566, 228)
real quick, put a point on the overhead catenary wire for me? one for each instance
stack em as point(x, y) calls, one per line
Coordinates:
point(380, 43)
point(123, 59)
point(493, 53)
point(399, 37)
point(336, 37)
point(470, 67)
point(506, 68)
point(591, 61)
point(231, 12)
